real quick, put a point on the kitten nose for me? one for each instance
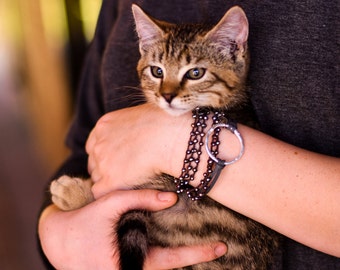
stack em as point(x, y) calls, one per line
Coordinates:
point(168, 97)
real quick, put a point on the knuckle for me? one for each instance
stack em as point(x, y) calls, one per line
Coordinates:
point(96, 151)
point(105, 119)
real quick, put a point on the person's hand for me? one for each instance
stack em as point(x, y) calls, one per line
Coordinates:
point(83, 238)
point(130, 145)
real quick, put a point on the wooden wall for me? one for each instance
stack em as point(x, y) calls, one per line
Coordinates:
point(47, 89)
point(36, 104)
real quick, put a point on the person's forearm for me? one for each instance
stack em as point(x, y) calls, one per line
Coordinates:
point(293, 191)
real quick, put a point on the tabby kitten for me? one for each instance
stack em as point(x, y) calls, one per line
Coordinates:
point(182, 67)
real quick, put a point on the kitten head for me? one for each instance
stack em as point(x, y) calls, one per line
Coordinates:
point(185, 66)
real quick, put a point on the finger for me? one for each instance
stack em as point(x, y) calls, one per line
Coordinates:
point(96, 177)
point(91, 141)
point(169, 258)
point(91, 164)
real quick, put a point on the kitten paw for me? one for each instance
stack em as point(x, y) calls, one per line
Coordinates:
point(70, 193)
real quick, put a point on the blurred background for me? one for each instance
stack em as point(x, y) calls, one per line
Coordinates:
point(42, 45)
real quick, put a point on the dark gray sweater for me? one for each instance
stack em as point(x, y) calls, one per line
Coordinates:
point(293, 79)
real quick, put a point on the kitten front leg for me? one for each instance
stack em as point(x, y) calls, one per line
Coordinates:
point(69, 193)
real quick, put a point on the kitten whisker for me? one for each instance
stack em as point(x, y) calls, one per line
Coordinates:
point(133, 96)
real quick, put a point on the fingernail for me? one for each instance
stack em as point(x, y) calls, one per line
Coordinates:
point(220, 250)
point(166, 196)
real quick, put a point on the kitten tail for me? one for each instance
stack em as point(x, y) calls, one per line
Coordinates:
point(132, 240)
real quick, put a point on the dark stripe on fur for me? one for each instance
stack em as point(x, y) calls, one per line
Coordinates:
point(132, 240)
point(218, 78)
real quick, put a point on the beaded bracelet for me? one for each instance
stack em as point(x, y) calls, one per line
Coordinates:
point(193, 153)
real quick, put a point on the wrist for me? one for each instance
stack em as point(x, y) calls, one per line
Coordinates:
point(49, 235)
point(183, 137)
point(176, 130)
point(202, 163)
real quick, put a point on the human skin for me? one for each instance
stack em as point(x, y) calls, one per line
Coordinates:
point(282, 186)
point(84, 238)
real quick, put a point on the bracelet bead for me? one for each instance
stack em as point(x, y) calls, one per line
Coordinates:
point(193, 153)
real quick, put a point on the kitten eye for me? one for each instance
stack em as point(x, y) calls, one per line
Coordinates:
point(195, 73)
point(157, 72)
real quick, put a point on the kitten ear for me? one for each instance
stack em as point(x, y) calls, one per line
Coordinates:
point(232, 27)
point(148, 31)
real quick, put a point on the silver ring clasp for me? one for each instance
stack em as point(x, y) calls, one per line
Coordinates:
point(231, 126)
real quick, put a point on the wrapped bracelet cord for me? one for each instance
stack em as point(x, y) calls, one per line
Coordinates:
point(193, 153)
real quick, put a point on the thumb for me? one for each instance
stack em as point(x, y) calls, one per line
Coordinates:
point(123, 201)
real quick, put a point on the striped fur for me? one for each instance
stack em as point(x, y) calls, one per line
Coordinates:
point(176, 49)
point(250, 245)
